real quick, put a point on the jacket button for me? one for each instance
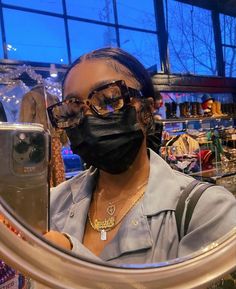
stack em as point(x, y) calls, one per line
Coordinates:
point(135, 222)
point(72, 214)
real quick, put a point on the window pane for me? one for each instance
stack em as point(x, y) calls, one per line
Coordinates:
point(191, 39)
point(46, 5)
point(228, 28)
point(1, 48)
point(35, 37)
point(92, 9)
point(141, 45)
point(86, 36)
point(230, 61)
point(135, 14)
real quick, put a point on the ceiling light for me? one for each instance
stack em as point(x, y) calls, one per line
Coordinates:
point(53, 70)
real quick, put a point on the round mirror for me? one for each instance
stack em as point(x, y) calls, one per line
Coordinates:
point(52, 267)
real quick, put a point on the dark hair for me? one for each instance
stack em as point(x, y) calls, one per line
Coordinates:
point(135, 67)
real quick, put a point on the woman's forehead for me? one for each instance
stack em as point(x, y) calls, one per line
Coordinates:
point(87, 75)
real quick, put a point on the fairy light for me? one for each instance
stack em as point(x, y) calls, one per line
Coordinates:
point(12, 88)
point(10, 80)
point(10, 47)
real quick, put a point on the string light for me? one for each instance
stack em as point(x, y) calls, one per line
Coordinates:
point(10, 47)
point(9, 82)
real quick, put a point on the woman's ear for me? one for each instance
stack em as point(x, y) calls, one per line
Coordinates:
point(151, 103)
point(146, 113)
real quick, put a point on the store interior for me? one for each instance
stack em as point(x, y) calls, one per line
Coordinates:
point(188, 48)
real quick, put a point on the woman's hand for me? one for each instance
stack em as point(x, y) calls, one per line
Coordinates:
point(58, 239)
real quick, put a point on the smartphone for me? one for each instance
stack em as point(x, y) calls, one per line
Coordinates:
point(24, 172)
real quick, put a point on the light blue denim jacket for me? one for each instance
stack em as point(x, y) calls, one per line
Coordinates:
point(148, 233)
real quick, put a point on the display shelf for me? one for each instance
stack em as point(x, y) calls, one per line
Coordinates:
point(218, 171)
point(196, 119)
point(220, 175)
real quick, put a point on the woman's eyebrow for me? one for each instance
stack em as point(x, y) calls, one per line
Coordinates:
point(99, 84)
point(72, 95)
point(93, 87)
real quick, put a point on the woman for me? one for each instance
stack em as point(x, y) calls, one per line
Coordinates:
point(122, 209)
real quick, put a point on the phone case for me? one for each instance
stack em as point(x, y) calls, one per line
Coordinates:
point(24, 172)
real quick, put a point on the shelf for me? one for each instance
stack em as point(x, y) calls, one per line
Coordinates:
point(217, 172)
point(197, 119)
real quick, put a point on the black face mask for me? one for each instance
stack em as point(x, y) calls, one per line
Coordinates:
point(110, 144)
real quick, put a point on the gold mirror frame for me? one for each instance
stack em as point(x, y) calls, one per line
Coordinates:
point(54, 268)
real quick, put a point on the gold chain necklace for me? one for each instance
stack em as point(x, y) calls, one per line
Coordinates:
point(111, 208)
point(110, 223)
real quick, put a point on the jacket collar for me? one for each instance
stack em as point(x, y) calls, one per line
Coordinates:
point(83, 185)
point(161, 194)
point(134, 233)
point(163, 189)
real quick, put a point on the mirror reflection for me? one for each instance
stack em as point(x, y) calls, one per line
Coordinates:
point(127, 205)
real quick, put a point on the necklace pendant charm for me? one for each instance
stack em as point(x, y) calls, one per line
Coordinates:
point(103, 235)
point(111, 209)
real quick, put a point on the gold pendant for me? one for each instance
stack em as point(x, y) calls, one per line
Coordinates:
point(111, 209)
point(104, 225)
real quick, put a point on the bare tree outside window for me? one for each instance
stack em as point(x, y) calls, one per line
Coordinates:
point(191, 39)
point(228, 30)
point(105, 15)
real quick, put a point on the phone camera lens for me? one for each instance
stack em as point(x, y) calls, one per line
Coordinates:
point(21, 147)
point(37, 154)
point(37, 139)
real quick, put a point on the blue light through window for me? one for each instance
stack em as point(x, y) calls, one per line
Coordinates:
point(50, 6)
point(142, 45)
point(228, 28)
point(191, 39)
point(85, 37)
point(35, 37)
point(136, 14)
point(101, 10)
point(230, 61)
point(1, 47)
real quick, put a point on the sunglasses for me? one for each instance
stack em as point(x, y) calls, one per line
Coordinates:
point(102, 102)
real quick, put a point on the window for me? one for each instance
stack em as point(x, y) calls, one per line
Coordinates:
point(101, 10)
point(35, 37)
point(191, 39)
point(86, 36)
point(140, 44)
point(46, 5)
point(136, 14)
point(228, 26)
point(230, 61)
point(228, 32)
point(1, 47)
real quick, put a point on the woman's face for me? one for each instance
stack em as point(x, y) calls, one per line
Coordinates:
point(104, 153)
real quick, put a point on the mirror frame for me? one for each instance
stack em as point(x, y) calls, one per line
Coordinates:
point(55, 268)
